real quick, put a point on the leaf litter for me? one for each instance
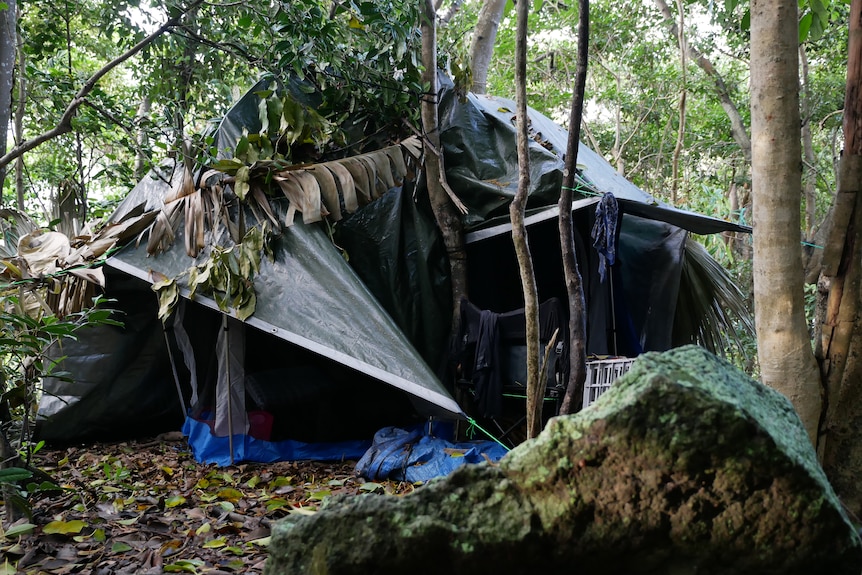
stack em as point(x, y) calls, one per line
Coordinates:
point(148, 507)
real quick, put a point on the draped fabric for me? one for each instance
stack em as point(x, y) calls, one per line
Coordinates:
point(488, 342)
point(604, 232)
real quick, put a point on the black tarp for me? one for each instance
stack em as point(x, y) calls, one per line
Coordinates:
point(393, 298)
point(122, 384)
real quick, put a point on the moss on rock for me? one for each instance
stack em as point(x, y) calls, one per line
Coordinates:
point(686, 466)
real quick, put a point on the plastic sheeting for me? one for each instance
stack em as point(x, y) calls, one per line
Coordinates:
point(396, 250)
point(122, 384)
point(208, 447)
point(309, 296)
point(414, 455)
point(481, 159)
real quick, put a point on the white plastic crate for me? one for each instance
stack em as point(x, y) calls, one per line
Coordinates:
point(601, 374)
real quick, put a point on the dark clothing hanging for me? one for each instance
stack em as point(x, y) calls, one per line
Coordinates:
point(487, 337)
point(604, 232)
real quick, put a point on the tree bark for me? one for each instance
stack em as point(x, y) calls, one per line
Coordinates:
point(784, 346)
point(141, 137)
point(482, 46)
point(445, 213)
point(19, 124)
point(840, 344)
point(8, 49)
point(535, 392)
point(809, 173)
point(680, 134)
point(571, 271)
point(617, 148)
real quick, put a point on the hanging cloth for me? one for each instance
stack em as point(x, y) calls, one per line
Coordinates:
point(604, 232)
point(486, 372)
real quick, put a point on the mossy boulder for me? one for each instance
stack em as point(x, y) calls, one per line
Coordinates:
point(685, 466)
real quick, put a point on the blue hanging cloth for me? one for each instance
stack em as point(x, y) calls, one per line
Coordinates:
point(604, 232)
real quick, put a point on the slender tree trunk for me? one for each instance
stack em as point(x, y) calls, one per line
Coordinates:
point(812, 258)
point(574, 283)
point(447, 216)
point(737, 126)
point(19, 124)
point(784, 346)
point(809, 176)
point(141, 120)
point(482, 46)
point(617, 148)
point(535, 392)
point(72, 199)
point(8, 34)
point(186, 72)
point(840, 344)
point(680, 134)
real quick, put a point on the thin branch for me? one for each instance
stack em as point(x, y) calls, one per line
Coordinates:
point(64, 126)
point(433, 149)
point(117, 122)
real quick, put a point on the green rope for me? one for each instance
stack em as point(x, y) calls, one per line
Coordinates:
point(516, 396)
point(474, 424)
point(582, 190)
point(812, 245)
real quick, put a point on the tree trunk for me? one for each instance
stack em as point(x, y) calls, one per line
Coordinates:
point(572, 274)
point(812, 256)
point(680, 134)
point(840, 344)
point(447, 216)
point(535, 392)
point(809, 173)
point(8, 35)
point(784, 346)
point(617, 148)
point(482, 46)
point(19, 124)
point(71, 204)
point(141, 118)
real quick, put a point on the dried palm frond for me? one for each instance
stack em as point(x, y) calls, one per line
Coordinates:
point(162, 232)
point(330, 190)
point(61, 277)
point(303, 194)
point(13, 225)
point(346, 185)
point(361, 179)
point(341, 187)
point(711, 309)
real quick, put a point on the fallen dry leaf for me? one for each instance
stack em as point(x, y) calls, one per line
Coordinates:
point(148, 507)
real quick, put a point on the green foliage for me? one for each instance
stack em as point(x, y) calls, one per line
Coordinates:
point(362, 58)
point(96, 156)
point(26, 356)
point(226, 275)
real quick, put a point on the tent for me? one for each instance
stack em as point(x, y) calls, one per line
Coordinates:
point(350, 331)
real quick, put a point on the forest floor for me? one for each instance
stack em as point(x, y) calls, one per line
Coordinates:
point(148, 507)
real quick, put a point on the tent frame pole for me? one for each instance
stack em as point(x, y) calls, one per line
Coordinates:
point(174, 371)
point(174, 367)
point(224, 324)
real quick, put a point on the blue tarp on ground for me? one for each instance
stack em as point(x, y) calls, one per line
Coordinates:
point(413, 455)
point(209, 448)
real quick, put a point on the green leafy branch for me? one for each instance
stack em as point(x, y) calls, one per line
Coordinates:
point(227, 276)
